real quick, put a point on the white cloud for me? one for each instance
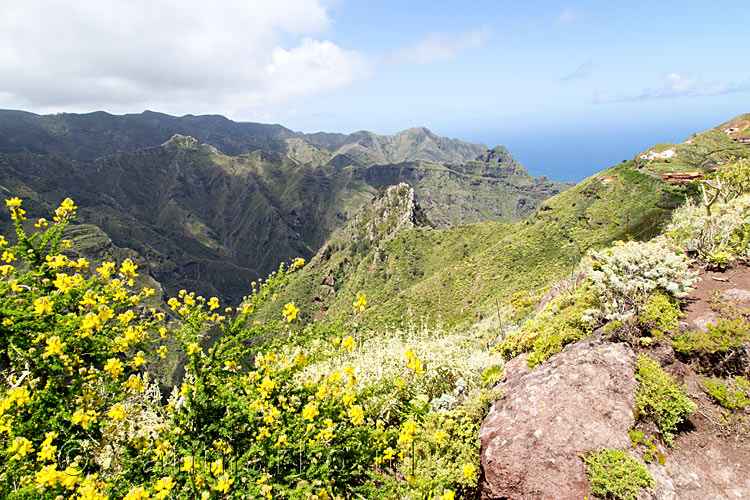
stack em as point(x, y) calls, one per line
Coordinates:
point(177, 56)
point(677, 85)
point(580, 72)
point(566, 17)
point(441, 46)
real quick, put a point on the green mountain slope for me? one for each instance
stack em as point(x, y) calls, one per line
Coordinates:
point(459, 275)
point(209, 222)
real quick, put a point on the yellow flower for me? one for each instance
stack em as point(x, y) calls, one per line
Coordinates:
point(2, 241)
point(347, 343)
point(162, 352)
point(217, 467)
point(299, 262)
point(135, 384)
point(310, 411)
point(21, 447)
point(114, 367)
point(136, 493)
point(128, 268)
point(356, 415)
point(138, 359)
point(188, 464)
point(66, 210)
point(106, 269)
point(13, 203)
point(193, 348)
point(47, 476)
point(117, 412)
point(290, 312)
point(282, 441)
point(8, 257)
point(213, 303)
point(469, 471)
point(42, 305)
point(54, 346)
point(223, 483)
point(448, 495)
point(63, 282)
point(440, 436)
point(84, 418)
point(162, 487)
point(47, 453)
point(361, 302)
point(70, 477)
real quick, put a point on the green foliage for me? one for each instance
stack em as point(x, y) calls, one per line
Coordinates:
point(491, 376)
point(447, 454)
point(660, 315)
point(726, 184)
point(615, 474)
point(462, 275)
point(626, 274)
point(717, 238)
point(719, 260)
point(80, 415)
point(560, 322)
point(661, 398)
point(732, 393)
point(723, 336)
point(720, 347)
point(652, 451)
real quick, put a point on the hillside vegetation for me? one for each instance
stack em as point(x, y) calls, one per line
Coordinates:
point(368, 371)
point(211, 221)
point(462, 275)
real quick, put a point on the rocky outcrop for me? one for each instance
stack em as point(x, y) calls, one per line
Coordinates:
point(581, 399)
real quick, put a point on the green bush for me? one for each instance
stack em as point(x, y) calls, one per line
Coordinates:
point(559, 323)
point(661, 398)
point(717, 238)
point(615, 474)
point(447, 453)
point(732, 394)
point(625, 275)
point(660, 315)
point(723, 336)
point(81, 417)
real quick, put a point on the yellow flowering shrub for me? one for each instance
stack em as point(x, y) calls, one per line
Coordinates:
point(82, 417)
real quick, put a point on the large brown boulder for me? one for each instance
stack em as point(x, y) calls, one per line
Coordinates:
point(580, 399)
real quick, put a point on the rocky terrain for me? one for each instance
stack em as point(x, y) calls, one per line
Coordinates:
point(583, 398)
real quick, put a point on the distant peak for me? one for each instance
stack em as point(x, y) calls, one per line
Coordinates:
point(182, 142)
point(498, 154)
point(416, 131)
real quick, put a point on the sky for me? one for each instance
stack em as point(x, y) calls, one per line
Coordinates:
point(569, 87)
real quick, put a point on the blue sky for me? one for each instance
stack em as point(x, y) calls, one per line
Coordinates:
point(568, 87)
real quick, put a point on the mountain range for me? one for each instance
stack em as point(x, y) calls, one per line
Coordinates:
point(210, 205)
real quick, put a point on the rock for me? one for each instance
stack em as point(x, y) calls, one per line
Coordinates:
point(580, 399)
point(516, 367)
point(662, 353)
